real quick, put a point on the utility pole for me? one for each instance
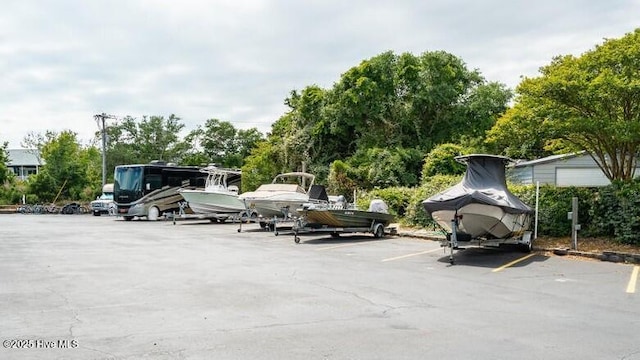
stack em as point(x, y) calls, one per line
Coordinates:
point(100, 119)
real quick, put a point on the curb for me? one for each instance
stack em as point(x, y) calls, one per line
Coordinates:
point(610, 256)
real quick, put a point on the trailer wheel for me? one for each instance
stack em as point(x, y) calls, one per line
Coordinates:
point(378, 231)
point(153, 214)
point(527, 248)
point(296, 239)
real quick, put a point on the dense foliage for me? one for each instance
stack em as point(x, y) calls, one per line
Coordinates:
point(70, 171)
point(589, 103)
point(384, 115)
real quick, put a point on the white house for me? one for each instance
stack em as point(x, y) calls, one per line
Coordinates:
point(577, 169)
point(24, 162)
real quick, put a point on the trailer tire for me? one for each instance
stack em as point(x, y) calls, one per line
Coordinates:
point(527, 248)
point(378, 231)
point(153, 214)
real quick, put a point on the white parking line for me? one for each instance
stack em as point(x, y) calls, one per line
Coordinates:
point(631, 287)
point(410, 255)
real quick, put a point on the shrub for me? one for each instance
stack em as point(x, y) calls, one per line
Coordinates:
point(397, 198)
point(415, 214)
point(441, 161)
point(615, 212)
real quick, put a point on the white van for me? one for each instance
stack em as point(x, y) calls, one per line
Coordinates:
point(104, 203)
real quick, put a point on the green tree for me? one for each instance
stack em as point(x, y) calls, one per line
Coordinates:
point(132, 141)
point(388, 102)
point(519, 133)
point(69, 170)
point(441, 161)
point(590, 103)
point(259, 167)
point(221, 143)
point(5, 174)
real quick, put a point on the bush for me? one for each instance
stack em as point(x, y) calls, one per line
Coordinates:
point(415, 214)
point(397, 198)
point(615, 212)
point(441, 161)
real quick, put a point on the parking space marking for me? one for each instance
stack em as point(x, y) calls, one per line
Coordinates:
point(410, 255)
point(343, 245)
point(512, 263)
point(631, 287)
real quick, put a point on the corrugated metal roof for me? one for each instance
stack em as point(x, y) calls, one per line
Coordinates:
point(23, 157)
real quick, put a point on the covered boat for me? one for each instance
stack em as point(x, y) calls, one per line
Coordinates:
point(220, 194)
point(480, 206)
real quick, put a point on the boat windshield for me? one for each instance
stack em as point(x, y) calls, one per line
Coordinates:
point(128, 178)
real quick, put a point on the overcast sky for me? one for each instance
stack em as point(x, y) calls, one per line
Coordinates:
point(63, 61)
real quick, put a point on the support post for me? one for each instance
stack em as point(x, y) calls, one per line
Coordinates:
point(535, 227)
point(100, 119)
point(574, 223)
point(104, 152)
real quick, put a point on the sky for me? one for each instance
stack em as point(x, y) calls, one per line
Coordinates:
point(64, 61)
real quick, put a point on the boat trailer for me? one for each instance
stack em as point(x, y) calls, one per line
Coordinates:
point(451, 241)
point(376, 228)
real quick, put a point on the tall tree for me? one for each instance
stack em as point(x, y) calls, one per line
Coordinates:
point(5, 173)
point(221, 143)
point(152, 138)
point(69, 170)
point(519, 133)
point(396, 104)
point(591, 103)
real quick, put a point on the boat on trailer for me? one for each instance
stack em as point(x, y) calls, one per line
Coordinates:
point(480, 210)
point(282, 197)
point(219, 198)
point(336, 217)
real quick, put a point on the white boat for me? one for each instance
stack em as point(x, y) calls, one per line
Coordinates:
point(480, 208)
point(282, 197)
point(220, 194)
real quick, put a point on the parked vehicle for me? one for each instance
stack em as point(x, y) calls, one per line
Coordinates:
point(282, 197)
point(151, 190)
point(480, 209)
point(219, 196)
point(104, 203)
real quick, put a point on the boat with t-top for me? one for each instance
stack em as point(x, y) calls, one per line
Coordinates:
point(220, 194)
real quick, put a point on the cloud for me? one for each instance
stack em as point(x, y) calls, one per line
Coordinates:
point(64, 61)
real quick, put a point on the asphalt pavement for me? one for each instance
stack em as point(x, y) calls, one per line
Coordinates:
point(85, 287)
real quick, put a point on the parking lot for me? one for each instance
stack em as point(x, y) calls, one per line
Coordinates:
point(110, 289)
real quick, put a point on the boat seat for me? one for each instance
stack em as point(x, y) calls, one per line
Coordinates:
point(318, 192)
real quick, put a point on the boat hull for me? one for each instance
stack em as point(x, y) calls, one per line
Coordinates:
point(206, 202)
point(277, 206)
point(345, 218)
point(487, 221)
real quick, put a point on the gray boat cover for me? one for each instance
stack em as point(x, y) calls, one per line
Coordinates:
point(483, 183)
